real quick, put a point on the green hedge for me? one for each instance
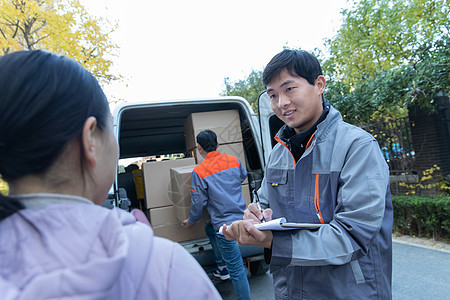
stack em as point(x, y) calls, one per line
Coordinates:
point(422, 216)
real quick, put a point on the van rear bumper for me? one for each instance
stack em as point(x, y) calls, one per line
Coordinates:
point(202, 252)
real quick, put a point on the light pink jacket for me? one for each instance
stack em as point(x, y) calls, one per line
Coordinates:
point(64, 247)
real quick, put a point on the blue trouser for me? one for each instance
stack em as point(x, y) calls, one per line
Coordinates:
point(228, 253)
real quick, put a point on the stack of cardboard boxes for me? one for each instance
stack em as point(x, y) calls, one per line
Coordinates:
point(161, 204)
point(167, 183)
point(226, 124)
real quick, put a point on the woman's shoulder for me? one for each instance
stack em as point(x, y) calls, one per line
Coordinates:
point(157, 262)
point(172, 266)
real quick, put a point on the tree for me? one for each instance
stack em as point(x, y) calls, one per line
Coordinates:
point(386, 55)
point(248, 88)
point(61, 26)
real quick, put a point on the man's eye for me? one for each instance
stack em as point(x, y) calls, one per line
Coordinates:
point(289, 89)
point(271, 96)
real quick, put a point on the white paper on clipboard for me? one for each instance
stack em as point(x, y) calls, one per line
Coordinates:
point(281, 224)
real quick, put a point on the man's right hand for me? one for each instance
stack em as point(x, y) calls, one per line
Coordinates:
point(253, 213)
point(186, 224)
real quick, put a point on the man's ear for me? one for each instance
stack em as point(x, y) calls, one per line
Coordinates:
point(88, 140)
point(321, 84)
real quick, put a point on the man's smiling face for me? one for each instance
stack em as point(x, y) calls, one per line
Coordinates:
point(296, 102)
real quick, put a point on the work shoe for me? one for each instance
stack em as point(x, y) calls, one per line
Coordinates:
point(223, 275)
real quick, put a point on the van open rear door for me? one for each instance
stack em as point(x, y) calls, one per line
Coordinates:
point(269, 124)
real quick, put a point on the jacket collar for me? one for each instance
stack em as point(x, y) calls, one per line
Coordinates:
point(212, 154)
point(289, 137)
point(324, 128)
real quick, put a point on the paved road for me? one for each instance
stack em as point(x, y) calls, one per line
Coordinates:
point(418, 273)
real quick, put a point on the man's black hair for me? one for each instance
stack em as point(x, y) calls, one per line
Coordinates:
point(208, 140)
point(131, 167)
point(295, 62)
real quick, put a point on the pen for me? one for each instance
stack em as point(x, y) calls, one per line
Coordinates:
point(256, 198)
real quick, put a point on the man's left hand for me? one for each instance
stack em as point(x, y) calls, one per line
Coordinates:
point(245, 233)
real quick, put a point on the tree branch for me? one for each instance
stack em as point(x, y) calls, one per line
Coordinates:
point(44, 23)
point(41, 38)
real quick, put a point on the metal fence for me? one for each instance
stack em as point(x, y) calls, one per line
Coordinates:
point(395, 140)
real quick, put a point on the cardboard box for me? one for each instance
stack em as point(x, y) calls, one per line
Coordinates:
point(182, 212)
point(181, 190)
point(165, 224)
point(246, 194)
point(157, 184)
point(225, 123)
point(180, 178)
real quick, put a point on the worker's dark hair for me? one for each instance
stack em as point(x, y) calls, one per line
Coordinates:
point(45, 100)
point(131, 167)
point(295, 62)
point(208, 140)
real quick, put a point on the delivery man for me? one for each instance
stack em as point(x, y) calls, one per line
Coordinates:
point(216, 185)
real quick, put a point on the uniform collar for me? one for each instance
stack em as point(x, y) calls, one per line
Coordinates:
point(212, 154)
point(297, 142)
point(288, 135)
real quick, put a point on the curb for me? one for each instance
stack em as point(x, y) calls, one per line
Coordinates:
point(420, 245)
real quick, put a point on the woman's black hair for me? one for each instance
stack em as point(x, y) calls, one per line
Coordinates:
point(44, 101)
point(296, 62)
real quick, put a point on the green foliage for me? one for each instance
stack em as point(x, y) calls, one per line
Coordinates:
point(248, 88)
point(431, 70)
point(422, 216)
point(387, 55)
point(382, 34)
point(378, 99)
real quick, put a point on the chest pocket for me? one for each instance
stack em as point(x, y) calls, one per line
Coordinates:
point(280, 185)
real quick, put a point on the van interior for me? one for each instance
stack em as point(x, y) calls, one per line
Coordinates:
point(158, 129)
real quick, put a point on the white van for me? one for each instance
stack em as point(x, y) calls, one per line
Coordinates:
point(157, 129)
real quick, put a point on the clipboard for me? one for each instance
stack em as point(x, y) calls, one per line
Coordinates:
point(281, 224)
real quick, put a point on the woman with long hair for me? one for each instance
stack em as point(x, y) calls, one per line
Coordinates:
point(59, 154)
